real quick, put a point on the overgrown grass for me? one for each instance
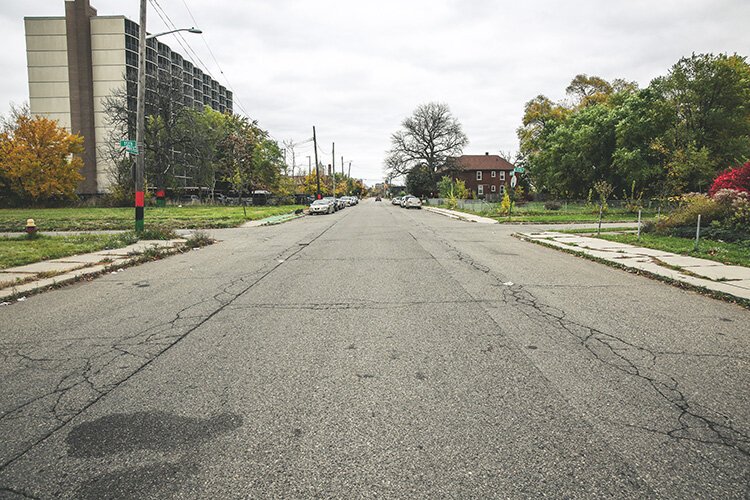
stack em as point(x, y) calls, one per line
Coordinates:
point(535, 212)
point(171, 217)
point(18, 251)
point(737, 253)
point(589, 230)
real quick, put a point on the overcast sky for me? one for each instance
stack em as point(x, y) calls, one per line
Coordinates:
point(355, 69)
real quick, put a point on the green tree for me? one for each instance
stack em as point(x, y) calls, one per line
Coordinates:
point(420, 181)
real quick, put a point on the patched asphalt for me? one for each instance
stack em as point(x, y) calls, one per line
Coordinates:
point(375, 352)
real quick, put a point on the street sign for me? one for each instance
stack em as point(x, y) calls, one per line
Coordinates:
point(513, 181)
point(520, 170)
point(130, 146)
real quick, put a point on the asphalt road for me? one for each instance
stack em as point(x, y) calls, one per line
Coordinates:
point(376, 352)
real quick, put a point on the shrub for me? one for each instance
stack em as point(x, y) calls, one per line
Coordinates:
point(686, 214)
point(505, 204)
point(732, 178)
point(552, 205)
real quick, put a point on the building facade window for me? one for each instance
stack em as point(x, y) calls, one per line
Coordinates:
point(480, 189)
point(494, 174)
point(479, 175)
point(502, 175)
point(493, 188)
point(502, 190)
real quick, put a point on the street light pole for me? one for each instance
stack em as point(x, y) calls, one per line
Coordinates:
point(317, 173)
point(140, 124)
point(140, 120)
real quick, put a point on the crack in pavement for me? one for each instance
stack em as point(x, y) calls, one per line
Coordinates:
point(97, 374)
point(368, 305)
point(694, 422)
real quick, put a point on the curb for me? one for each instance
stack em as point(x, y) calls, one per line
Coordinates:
point(271, 221)
point(457, 215)
point(715, 294)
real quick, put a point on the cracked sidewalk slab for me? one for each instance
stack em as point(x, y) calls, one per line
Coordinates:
point(27, 280)
point(702, 273)
point(461, 215)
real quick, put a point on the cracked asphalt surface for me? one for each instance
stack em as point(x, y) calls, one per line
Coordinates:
point(376, 352)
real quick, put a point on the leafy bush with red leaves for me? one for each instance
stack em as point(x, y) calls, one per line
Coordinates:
point(733, 178)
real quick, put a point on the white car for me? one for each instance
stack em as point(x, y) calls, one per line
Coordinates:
point(411, 202)
point(321, 207)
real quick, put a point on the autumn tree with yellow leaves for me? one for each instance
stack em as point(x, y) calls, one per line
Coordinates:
point(39, 160)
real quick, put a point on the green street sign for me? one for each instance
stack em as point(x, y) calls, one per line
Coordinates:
point(520, 170)
point(130, 146)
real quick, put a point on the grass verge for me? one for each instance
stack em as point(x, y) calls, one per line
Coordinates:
point(171, 217)
point(19, 251)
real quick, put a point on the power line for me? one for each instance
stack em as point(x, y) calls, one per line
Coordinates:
point(218, 66)
point(180, 39)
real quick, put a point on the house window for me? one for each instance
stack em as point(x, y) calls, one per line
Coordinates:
point(494, 174)
point(502, 190)
point(479, 175)
point(502, 175)
point(480, 189)
point(493, 188)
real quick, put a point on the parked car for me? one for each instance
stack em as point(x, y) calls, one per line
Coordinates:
point(396, 200)
point(403, 199)
point(321, 207)
point(335, 202)
point(411, 202)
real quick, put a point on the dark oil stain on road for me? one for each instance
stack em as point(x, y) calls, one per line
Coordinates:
point(420, 376)
point(158, 431)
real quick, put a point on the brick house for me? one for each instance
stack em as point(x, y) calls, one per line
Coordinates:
point(486, 176)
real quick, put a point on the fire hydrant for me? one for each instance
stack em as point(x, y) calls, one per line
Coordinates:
point(30, 227)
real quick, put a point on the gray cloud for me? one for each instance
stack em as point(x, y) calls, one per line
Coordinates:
point(356, 69)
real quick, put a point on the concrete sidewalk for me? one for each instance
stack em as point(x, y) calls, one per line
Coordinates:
point(454, 214)
point(702, 273)
point(22, 280)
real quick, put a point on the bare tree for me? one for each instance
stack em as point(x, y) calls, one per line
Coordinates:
point(431, 136)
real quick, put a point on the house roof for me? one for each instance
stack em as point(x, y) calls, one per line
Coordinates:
point(483, 162)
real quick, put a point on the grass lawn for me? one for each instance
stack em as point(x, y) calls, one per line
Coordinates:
point(737, 253)
point(18, 251)
point(171, 217)
point(571, 213)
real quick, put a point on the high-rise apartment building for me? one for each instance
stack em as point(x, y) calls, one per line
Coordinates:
point(76, 62)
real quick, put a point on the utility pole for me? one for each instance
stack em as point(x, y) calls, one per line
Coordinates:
point(342, 166)
point(317, 173)
point(140, 124)
point(350, 170)
point(309, 166)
